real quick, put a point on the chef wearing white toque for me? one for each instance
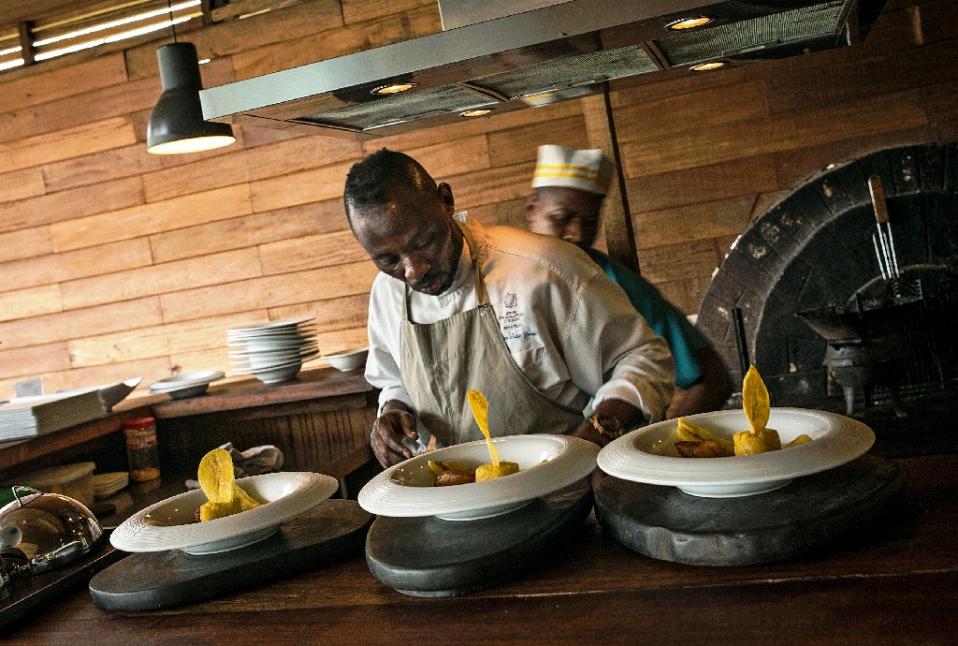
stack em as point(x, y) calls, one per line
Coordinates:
point(568, 189)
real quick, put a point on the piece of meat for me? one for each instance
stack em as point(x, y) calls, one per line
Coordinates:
point(702, 449)
point(455, 477)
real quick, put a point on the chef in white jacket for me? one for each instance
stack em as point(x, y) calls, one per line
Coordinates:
point(528, 320)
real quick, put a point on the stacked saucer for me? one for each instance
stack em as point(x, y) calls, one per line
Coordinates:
point(274, 351)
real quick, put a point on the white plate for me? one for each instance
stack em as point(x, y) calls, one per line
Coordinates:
point(285, 350)
point(110, 394)
point(272, 325)
point(169, 525)
point(546, 462)
point(292, 337)
point(648, 454)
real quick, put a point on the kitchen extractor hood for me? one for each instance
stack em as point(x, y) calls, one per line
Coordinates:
point(540, 55)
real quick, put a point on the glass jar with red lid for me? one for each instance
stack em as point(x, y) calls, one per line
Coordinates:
point(142, 452)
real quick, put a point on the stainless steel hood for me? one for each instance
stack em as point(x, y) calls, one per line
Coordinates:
point(544, 54)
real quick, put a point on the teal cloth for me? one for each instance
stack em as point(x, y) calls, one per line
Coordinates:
point(665, 320)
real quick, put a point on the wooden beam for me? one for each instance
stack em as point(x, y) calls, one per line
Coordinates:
point(616, 216)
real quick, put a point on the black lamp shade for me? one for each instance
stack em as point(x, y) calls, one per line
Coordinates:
point(176, 123)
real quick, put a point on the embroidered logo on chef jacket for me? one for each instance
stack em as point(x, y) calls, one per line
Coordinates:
point(512, 321)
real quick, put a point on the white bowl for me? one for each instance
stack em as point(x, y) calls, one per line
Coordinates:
point(276, 374)
point(170, 525)
point(187, 384)
point(648, 454)
point(546, 462)
point(349, 360)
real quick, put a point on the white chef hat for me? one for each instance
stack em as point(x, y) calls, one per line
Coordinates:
point(586, 170)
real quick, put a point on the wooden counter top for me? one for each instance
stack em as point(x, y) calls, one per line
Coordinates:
point(251, 393)
point(898, 585)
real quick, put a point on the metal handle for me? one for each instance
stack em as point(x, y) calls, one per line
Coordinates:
point(883, 239)
point(29, 490)
point(877, 192)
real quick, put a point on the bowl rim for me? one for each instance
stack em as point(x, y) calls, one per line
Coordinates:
point(843, 440)
point(312, 489)
point(386, 497)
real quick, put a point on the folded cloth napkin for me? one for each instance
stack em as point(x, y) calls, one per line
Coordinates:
point(251, 462)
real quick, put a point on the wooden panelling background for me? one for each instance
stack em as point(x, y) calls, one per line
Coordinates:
point(116, 263)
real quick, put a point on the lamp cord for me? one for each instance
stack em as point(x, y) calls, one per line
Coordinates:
point(169, 4)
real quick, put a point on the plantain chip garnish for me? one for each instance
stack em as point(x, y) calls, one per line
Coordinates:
point(223, 496)
point(696, 441)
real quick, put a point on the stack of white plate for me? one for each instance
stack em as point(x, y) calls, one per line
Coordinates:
point(274, 351)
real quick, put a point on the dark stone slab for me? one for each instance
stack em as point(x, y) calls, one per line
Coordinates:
point(808, 515)
point(429, 557)
point(154, 580)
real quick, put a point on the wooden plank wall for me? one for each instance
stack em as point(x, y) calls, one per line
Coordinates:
point(116, 263)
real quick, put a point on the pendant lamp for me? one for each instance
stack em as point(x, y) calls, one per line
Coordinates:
point(176, 123)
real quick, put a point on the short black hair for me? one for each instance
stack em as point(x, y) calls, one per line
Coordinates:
point(372, 181)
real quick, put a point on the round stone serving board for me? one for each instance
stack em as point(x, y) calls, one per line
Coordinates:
point(155, 580)
point(429, 557)
point(809, 514)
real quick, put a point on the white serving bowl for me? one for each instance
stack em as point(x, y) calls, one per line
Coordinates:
point(170, 524)
point(546, 462)
point(648, 454)
point(348, 360)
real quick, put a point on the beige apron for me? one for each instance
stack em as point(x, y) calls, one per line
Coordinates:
point(440, 362)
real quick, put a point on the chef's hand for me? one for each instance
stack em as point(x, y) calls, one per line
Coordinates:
point(396, 422)
point(628, 415)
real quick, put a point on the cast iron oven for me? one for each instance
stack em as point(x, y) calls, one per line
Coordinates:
point(838, 312)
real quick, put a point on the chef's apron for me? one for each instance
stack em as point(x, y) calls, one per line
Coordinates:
point(440, 362)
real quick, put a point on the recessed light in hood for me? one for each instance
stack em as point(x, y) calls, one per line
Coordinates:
point(533, 56)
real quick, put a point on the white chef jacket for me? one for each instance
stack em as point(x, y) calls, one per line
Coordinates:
point(570, 329)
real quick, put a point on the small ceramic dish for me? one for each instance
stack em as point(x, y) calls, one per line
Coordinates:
point(546, 462)
point(348, 360)
point(187, 384)
point(171, 525)
point(648, 454)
